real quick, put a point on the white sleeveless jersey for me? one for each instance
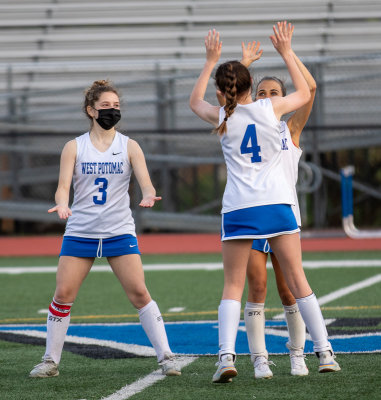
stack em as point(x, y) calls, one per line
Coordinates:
point(253, 156)
point(291, 156)
point(101, 205)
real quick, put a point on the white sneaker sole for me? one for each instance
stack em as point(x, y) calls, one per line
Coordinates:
point(225, 375)
point(299, 373)
point(263, 376)
point(44, 375)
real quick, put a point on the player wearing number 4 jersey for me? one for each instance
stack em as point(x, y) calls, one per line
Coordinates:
point(100, 224)
point(257, 200)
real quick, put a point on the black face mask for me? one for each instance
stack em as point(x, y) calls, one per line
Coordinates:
point(108, 117)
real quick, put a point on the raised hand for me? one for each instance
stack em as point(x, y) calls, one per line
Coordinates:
point(213, 46)
point(250, 53)
point(281, 39)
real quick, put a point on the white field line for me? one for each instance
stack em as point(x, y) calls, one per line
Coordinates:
point(128, 348)
point(130, 390)
point(196, 266)
point(343, 291)
point(349, 289)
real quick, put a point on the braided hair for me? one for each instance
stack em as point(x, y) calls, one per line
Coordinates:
point(232, 79)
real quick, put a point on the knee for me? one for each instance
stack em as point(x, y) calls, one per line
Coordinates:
point(286, 297)
point(64, 295)
point(258, 286)
point(257, 292)
point(140, 297)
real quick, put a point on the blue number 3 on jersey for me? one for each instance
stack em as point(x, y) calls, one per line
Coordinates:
point(103, 183)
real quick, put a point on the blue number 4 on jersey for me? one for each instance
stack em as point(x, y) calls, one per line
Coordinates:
point(254, 149)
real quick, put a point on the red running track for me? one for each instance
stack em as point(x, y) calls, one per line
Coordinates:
point(174, 244)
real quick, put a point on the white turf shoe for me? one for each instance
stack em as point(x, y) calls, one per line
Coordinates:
point(327, 362)
point(261, 368)
point(169, 366)
point(226, 369)
point(298, 365)
point(46, 369)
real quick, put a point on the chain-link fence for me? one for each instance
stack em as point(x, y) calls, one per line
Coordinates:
point(184, 159)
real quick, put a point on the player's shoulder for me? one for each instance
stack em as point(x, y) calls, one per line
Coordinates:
point(71, 145)
point(133, 148)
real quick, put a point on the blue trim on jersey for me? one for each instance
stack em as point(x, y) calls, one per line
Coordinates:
point(111, 247)
point(261, 245)
point(259, 222)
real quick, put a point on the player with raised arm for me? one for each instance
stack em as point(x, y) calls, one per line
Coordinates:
point(256, 272)
point(257, 199)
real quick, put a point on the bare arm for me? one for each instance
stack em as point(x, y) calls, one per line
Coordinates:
point(138, 162)
point(282, 43)
point(298, 120)
point(198, 105)
point(67, 164)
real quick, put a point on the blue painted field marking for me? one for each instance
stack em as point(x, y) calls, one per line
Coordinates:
point(199, 337)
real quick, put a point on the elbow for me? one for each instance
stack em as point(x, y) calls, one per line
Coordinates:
point(307, 97)
point(193, 105)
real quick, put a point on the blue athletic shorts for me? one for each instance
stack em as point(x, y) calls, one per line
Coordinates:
point(261, 245)
point(111, 247)
point(259, 222)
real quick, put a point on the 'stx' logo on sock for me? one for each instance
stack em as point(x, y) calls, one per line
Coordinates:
point(253, 313)
point(55, 319)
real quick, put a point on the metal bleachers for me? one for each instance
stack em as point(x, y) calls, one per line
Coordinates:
point(162, 30)
point(50, 50)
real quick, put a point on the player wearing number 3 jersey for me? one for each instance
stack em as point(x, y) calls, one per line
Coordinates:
point(100, 223)
point(100, 182)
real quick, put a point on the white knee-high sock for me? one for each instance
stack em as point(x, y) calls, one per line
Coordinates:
point(229, 314)
point(310, 310)
point(57, 325)
point(153, 325)
point(255, 328)
point(296, 328)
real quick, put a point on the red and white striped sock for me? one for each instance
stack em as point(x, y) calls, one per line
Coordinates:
point(57, 325)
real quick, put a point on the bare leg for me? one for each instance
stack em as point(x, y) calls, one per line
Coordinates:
point(129, 271)
point(257, 277)
point(285, 294)
point(287, 250)
point(235, 255)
